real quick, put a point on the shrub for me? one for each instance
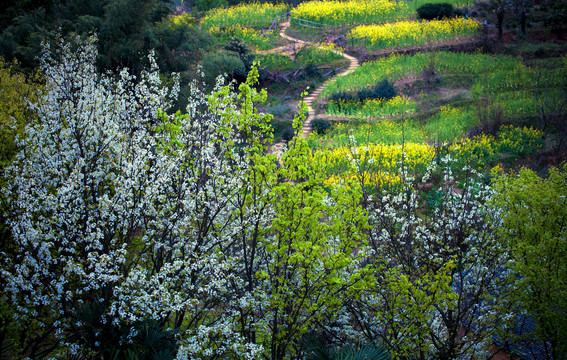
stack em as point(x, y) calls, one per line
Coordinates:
point(385, 90)
point(320, 126)
point(342, 96)
point(215, 64)
point(288, 134)
point(435, 11)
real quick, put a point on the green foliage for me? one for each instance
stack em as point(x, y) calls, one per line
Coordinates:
point(288, 134)
point(370, 132)
point(397, 67)
point(17, 91)
point(376, 108)
point(317, 56)
point(223, 63)
point(206, 5)
point(238, 46)
point(258, 40)
point(178, 43)
point(557, 19)
point(317, 351)
point(534, 232)
point(317, 242)
point(126, 30)
point(320, 126)
point(435, 11)
point(383, 91)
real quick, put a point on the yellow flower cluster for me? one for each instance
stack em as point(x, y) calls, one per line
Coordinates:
point(519, 141)
point(512, 140)
point(412, 33)
point(379, 179)
point(377, 163)
point(246, 15)
point(183, 19)
point(352, 12)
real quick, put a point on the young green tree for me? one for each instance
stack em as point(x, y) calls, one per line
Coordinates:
point(535, 233)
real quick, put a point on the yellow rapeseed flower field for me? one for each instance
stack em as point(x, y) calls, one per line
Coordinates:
point(413, 33)
point(245, 15)
point(352, 12)
point(376, 164)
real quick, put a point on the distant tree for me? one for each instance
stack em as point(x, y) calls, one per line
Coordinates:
point(500, 8)
point(126, 29)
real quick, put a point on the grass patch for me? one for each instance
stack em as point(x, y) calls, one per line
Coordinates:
point(393, 132)
point(449, 124)
point(375, 108)
point(256, 40)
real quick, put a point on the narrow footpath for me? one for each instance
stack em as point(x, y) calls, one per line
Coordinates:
point(307, 128)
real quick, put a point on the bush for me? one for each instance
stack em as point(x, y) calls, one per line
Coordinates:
point(320, 126)
point(385, 90)
point(342, 96)
point(435, 11)
point(288, 134)
point(215, 64)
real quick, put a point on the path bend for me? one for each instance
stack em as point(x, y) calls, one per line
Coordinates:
point(309, 99)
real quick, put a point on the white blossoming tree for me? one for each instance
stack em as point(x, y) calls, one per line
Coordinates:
point(437, 268)
point(119, 211)
point(134, 226)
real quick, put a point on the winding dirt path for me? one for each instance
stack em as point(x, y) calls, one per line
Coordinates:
point(307, 128)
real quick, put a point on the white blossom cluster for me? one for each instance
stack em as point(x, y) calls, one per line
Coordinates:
point(437, 275)
point(115, 202)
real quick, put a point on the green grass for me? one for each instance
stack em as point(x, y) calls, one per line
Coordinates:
point(450, 124)
point(305, 56)
point(520, 78)
point(394, 132)
point(398, 67)
point(373, 108)
point(414, 4)
point(254, 39)
point(317, 56)
point(276, 62)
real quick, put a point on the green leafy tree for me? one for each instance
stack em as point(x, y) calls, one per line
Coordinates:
point(534, 231)
point(17, 92)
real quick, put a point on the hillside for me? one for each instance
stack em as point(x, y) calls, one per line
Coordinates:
point(367, 179)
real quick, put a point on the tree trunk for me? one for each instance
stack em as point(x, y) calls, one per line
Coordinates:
point(500, 17)
point(523, 20)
